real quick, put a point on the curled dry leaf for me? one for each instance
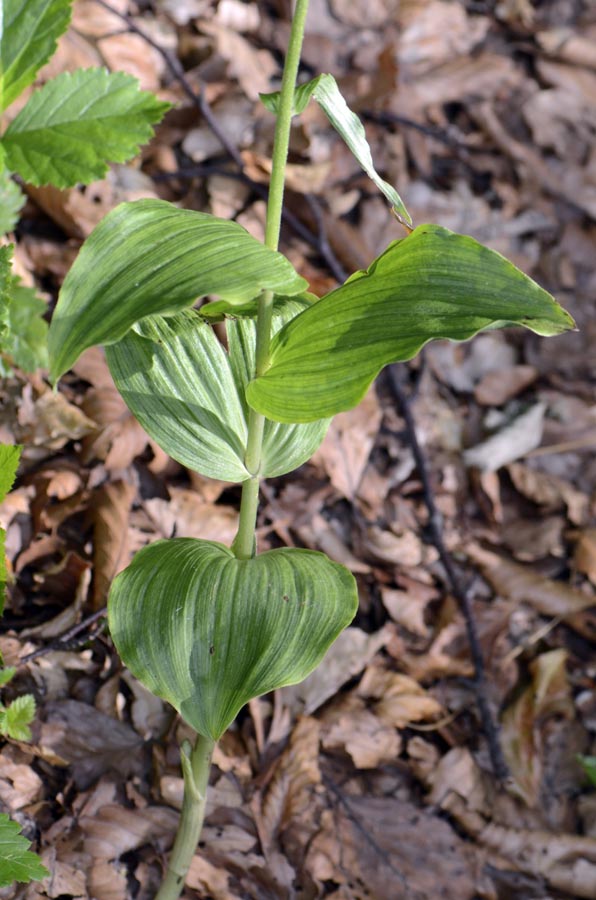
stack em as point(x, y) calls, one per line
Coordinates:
point(524, 721)
point(496, 388)
point(549, 491)
point(522, 584)
point(516, 439)
point(110, 511)
point(114, 830)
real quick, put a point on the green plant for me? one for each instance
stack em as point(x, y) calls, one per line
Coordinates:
point(65, 134)
point(17, 863)
point(205, 626)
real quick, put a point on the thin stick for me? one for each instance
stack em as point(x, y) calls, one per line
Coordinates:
point(460, 591)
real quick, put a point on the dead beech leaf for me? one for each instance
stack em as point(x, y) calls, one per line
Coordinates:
point(549, 491)
point(114, 830)
point(399, 700)
point(187, 514)
point(107, 881)
point(91, 741)
point(349, 655)
point(497, 387)
point(522, 584)
point(110, 509)
point(400, 549)
point(407, 607)
point(523, 721)
point(584, 555)
point(65, 880)
point(388, 847)
point(51, 421)
point(20, 785)
point(288, 806)
point(516, 439)
point(362, 734)
point(210, 880)
point(252, 67)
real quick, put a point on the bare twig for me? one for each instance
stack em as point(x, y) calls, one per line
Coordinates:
point(319, 241)
point(64, 642)
point(460, 591)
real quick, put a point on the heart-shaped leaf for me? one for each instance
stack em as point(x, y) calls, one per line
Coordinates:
point(208, 632)
point(188, 394)
point(149, 257)
point(432, 284)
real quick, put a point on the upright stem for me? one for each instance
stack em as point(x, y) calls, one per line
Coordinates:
point(195, 766)
point(244, 544)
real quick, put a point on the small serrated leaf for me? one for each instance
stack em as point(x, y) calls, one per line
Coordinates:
point(19, 715)
point(28, 34)
point(17, 862)
point(11, 202)
point(70, 129)
point(7, 674)
point(27, 338)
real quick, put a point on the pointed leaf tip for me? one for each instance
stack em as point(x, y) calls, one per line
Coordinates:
point(432, 284)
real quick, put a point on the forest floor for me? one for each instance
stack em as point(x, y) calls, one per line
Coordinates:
point(374, 778)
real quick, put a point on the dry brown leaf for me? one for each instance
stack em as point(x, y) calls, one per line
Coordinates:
point(398, 547)
point(524, 721)
point(399, 699)
point(252, 67)
point(210, 880)
point(364, 737)
point(549, 491)
point(408, 607)
point(349, 655)
point(532, 539)
point(288, 806)
point(522, 584)
point(20, 785)
point(114, 830)
point(584, 555)
point(384, 846)
point(110, 510)
point(91, 741)
point(499, 386)
point(348, 443)
point(107, 881)
point(513, 440)
point(51, 421)
point(65, 879)
point(187, 514)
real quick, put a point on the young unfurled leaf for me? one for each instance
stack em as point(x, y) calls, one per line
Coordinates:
point(29, 30)
point(188, 394)
point(325, 91)
point(16, 718)
point(11, 202)
point(149, 257)
point(208, 632)
point(17, 862)
point(432, 284)
point(70, 129)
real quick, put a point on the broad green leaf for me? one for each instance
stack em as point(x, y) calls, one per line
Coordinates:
point(70, 129)
point(147, 258)
point(26, 342)
point(11, 202)
point(29, 30)
point(208, 632)
point(17, 862)
point(188, 394)
point(432, 284)
point(325, 91)
point(16, 718)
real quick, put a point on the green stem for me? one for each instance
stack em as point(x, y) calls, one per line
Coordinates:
point(244, 544)
point(195, 766)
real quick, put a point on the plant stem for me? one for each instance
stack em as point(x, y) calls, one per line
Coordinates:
point(244, 544)
point(195, 766)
